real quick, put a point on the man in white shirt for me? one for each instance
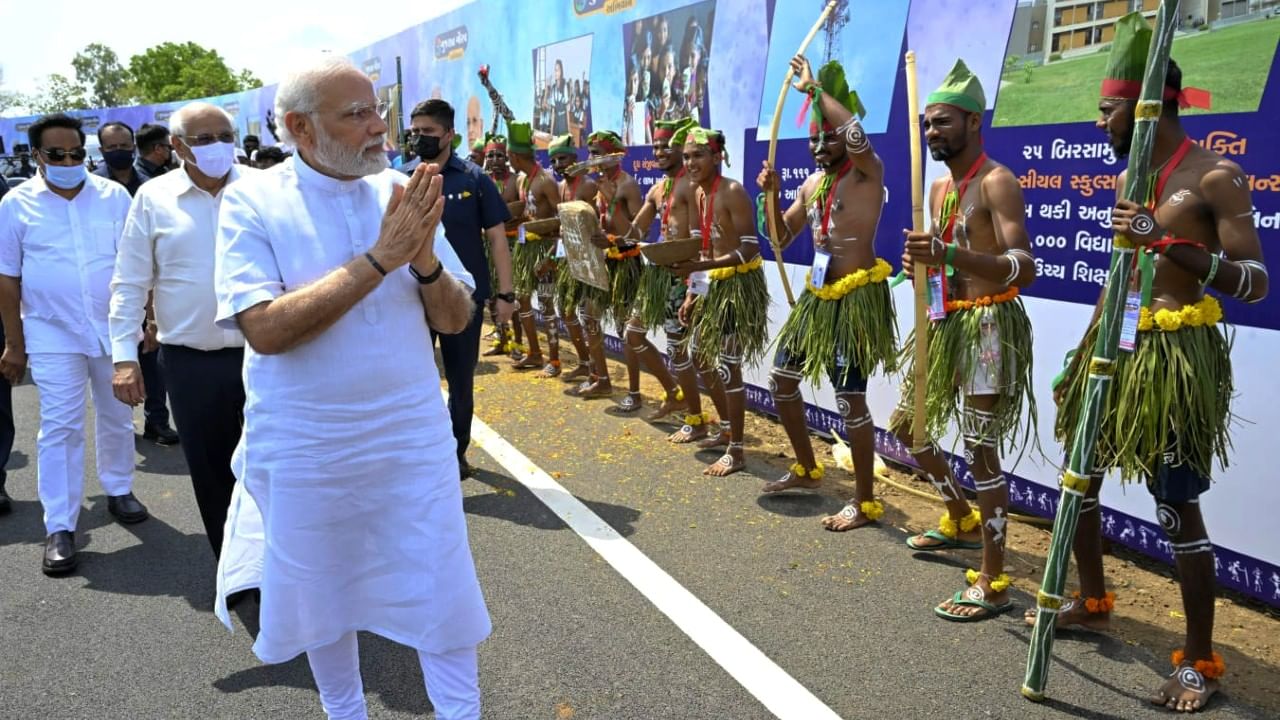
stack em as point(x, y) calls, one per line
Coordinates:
point(168, 247)
point(336, 271)
point(58, 234)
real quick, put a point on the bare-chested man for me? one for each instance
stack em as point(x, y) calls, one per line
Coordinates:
point(538, 189)
point(566, 290)
point(842, 328)
point(1201, 235)
point(507, 336)
point(979, 339)
point(661, 292)
point(728, 287)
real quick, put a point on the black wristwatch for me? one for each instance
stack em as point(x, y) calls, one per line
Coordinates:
point(427, 279)
point(506, 296)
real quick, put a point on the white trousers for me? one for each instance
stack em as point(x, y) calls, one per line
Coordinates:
point(452, 681)
point(61, 379)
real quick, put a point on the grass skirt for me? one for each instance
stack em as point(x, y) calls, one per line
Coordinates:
point(954, 344)
point(624, 278)
point(657, 288)
point(568, 289)
point(857, 328)
point(525, 261)
point(737, 306)
point(1170, 395)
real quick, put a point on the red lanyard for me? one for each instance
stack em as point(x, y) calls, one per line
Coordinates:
point(670, 196)
point(573, 189)
point(831, 196)
point(606, 213)
point(948, 229)
point(528, 182)
point(709, 215)
point(1169, 167)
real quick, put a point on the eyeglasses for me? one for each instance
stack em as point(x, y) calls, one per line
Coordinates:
point(58, 154)
point(208, 139)
point(362, 113)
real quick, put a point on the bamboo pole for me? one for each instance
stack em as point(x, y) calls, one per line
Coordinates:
point(770, 206)
point(1076, 479)
point(920, 370)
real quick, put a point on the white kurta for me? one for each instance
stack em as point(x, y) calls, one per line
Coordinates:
point(347, 450)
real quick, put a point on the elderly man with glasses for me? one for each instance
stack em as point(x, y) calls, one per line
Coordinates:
point(58, 235)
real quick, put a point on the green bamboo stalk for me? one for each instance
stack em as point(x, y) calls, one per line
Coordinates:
point(1075, 480)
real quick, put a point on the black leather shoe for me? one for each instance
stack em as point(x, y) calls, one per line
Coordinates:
point(160, 435)
point(127, 509)
point(464, 469)
point(5, 505)
point(60, 553)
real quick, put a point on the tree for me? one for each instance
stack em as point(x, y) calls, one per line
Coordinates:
point(98, 69)
point(60, 94)
point(170, 71)
point(9, 98)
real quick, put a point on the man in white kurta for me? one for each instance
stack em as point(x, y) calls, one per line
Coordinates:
point(347, 450)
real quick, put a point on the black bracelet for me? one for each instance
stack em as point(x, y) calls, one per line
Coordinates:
point(376, 265)
point(427, 279)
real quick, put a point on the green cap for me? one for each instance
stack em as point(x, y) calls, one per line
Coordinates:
point(1127, 60)
point(713, 139)
point(960, 88)
point(520, 137)
point(607, 139)
point(494, 139)
point(561, 145)
point(478, 145)
point(675, 130)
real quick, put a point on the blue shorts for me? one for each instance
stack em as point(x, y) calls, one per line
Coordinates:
point(1177, 483)
point(844, 377)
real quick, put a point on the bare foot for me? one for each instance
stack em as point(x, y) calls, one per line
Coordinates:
point(583, 370)
point(789, 481)
point(669, 405)
point(729, 463)
point(688, 433)
point(1074, 616)
point(528, 362)
point(715, 441)
point(850, 517)
point(1186, 690)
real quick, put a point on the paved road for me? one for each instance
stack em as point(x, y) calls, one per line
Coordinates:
point(131, 633)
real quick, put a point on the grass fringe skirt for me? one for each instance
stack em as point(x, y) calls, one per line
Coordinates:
point(737, 306)
point(858, 327)
point(568, 289)
point(658, 285)
point(525, 261)
point(624, 278)
point(954, 343)
point(1172, 394)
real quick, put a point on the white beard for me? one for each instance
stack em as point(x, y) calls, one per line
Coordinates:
point(345, 161)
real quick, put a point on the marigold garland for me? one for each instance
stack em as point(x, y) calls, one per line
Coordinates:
point(1204, 313)
point(697, 420)
point(871, 509)
point(1212, 669)
point(530, 236)
point(1104, 604)
point(984, 301)
point(799, 471)
point(512, 234)
point(725, 273)
point(948, 527)
point(879, 272)
point(999, 583)
point(614, 253)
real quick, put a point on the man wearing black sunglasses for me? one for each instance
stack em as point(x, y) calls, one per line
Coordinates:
point(58, 235)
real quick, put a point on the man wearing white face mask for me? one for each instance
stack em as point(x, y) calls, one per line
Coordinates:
point(168, 248)
point(58, 235)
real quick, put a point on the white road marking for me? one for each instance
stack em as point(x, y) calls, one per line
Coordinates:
point(786, 698)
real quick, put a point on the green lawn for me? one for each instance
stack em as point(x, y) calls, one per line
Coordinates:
point(1232, 63)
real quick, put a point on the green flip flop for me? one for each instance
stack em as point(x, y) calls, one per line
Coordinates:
point(978, 600)
point(946, 543)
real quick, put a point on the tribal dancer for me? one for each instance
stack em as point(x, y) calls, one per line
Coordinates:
point(661, 292)
point(727, 286)
point(618, 203)
point(1167, 409)
point(566, 290)
point(979, 339)
point(478, 152)
point(842, 328)
point(507, 338)
point(538, 190)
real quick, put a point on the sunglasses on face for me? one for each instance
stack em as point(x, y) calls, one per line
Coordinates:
point(58, 154)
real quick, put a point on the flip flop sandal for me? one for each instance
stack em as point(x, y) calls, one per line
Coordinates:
point(973, 597)
point(590, 392)
point(946, 543)
point(549, 370)
point(631, 403)
point(525, 364)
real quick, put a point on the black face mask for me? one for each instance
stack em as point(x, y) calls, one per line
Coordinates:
point(118, 159)
point(426, 147)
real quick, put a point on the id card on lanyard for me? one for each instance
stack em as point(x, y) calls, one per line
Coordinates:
point(1129, 325)
point(520, 236)
point(937, 296)
point(818, 273)
point(700, 282)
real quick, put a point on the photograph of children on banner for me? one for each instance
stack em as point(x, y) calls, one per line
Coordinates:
point(562, 88)
point(667, 58)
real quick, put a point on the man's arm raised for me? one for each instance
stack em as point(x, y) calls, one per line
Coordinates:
point(789, 223)
point(845, 122)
